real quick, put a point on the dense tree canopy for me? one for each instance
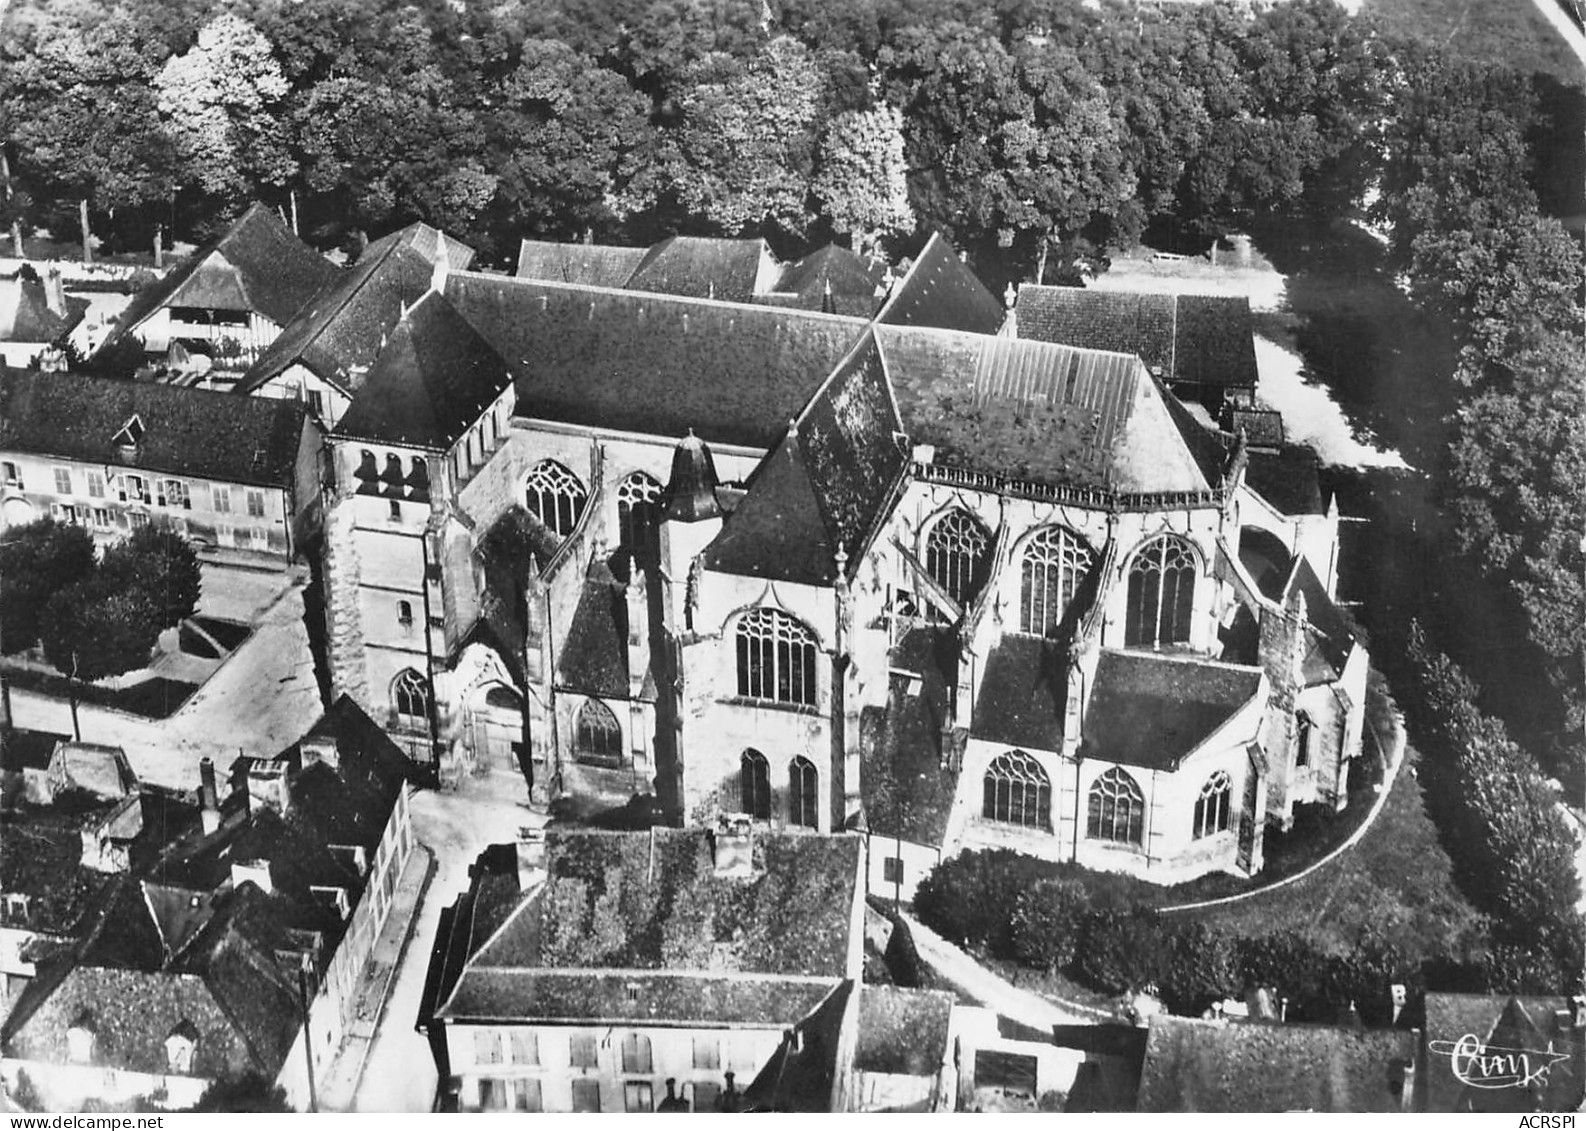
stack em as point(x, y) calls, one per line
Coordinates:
point(36, 562)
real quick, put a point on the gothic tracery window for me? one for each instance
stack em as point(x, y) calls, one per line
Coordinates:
point(776, 658)
point(410, 695)
point(597, 738)
point(638, 516)
point(1214, 805)
point(955, 554)
point(1017, 791)
point(1161, 594)
point(555, 495)
point(1117, 809)
point(1055, 562)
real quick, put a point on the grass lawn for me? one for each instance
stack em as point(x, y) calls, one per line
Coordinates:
point(1498, 31)
point(1397, 881)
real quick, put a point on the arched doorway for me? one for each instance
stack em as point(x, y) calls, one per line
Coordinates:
point(493, 729)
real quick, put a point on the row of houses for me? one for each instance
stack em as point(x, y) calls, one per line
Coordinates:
point(155, 943)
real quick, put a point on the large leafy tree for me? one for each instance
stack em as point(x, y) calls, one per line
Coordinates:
point(95, 628)
point(162, 562)
point(741, 153)
point(861, 176)
point(36, 562)
point(571, 142)
point(223, 102)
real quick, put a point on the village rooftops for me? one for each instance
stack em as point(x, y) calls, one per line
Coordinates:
point(434, 379)
point(583, 264)
point(692, 941)
point(191, 432)
point(343, 328)
point(1183, 339)
point(1154, 711)
point(830, 278)
point(732, 270)
point(1220, 1066)
point(258, 266)
point(430, 243)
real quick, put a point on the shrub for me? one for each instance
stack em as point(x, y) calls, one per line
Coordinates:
point(1046, 923)
point(1200, 966)
point(1122, 950)
point(1290, 962)
point(970, 898)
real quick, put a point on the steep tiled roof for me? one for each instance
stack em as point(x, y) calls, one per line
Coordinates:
point(1517, 1023)
point(40, 853)
point(25, 314)
point(831, 278)
point(1218, 1066)
point(654, 364)
point(433, 380)
point(1023, 694)
point(344, 327)
point(906, 791)
point(1192, 339)
point(1050, 414)
point(258, 265)
point(185, 431)
point(940, 291)
point(427, 242)
point(686, 946)
point(1333, 636)
point(699, 267)
point(801, 1073)
point(1287, 479)
point(1152, 712)
point(826, 486)
point(594, 657)
point(594, 265)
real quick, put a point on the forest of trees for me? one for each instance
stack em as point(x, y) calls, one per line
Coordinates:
point(1037, 134)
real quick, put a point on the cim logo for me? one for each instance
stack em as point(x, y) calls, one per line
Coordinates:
point(1481, 1065)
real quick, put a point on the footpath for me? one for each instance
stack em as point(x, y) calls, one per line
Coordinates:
point(338, 1083)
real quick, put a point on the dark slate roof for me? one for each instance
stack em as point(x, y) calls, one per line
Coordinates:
point(40, 854)
point(940, 291)
point(1219, 1066)
point(193, 432)
point(696, 946)
point(25, 314)
point(1528, 1023)
point(832, 279)
point(595, 654)
point(593, 265)
point(1023, 693)
point(430, 384)
point(1288, 479)
point(1049, 414)
point(800, 1074)
point(700, 267)
point(1333, 637)
point(1191, 339)
point(826, 486)
point(428, 242)
point(906, 791)
point(258, 265)
point(654, 364)
point(1153, 711)
point(902, 1031)
point(24, 749)
point(344, 327)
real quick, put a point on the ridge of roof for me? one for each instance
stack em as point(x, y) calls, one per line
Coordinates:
point(939, 290)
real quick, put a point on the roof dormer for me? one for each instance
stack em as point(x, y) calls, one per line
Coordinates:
point(128, 437)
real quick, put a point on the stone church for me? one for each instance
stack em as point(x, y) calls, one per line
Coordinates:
point(877, 563)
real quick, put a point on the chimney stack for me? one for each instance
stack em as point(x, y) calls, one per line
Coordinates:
point(208, 796)
point(531, 858)
point(267, 787)
point(319, 748)
point(54, 291)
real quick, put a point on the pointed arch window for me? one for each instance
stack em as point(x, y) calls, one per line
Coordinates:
point(639, 517)
point(1161, 594)
point(776, 658)
point(803, 793)
point(955, 554)
point(754, 784)
point(1214, 806)
point(1017, 792)
point(1055, 562)
point(598, 738)
point(555, 495)
point(1117, 809)
point(410, 695)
